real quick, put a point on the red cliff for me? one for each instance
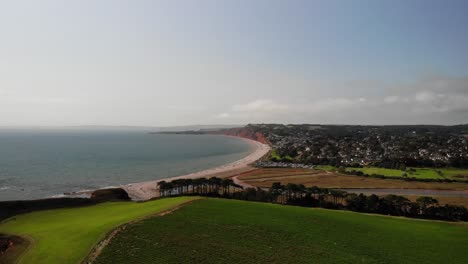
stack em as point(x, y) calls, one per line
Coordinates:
point(245, 132)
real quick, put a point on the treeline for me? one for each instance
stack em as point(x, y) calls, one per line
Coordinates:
point(391, 164)
point(11, 208)
point(213, 186)
point(424, 207)
point(299, 195)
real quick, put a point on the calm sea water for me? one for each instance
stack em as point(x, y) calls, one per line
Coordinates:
point(38, 164)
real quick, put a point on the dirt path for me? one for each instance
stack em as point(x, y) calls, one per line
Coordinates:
point(241, 183)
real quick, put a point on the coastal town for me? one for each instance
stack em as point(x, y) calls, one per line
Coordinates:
point(430, 146)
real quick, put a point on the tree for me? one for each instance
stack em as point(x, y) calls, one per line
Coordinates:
point(215, 183)
point(397, 205)
point(226, 184)
point(276, 190)
point(162, 185)
point(424, 202)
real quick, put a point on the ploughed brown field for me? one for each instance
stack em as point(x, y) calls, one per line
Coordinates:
point(267, 176)
point(462, 201)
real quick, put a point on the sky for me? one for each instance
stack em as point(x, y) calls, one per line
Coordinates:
point(167, 63)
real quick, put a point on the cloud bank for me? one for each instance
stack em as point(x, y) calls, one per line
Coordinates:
point(434, 100)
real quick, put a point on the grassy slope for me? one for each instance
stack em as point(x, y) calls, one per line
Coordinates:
point(68, 235)
point(227, 231)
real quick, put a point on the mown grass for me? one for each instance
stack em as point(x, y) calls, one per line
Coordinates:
point(276, 157)
point(455, 173)
point(325, 167)
point(381, 171)
point(68, 235)
point(228, 231)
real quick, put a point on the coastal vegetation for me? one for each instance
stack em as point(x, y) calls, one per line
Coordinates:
point(68, 235)
point(298, 194)
point(11, 208)
point(201, 186)
point(231, 231)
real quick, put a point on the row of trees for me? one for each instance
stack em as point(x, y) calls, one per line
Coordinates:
point(213, 186)
point(299, 195)
point(424, 207)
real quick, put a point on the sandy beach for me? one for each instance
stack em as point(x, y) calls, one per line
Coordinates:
point(147, 190)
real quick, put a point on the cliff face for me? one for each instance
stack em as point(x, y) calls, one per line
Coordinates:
point(245, 132)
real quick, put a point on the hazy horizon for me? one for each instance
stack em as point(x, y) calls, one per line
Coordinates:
point(175, 63)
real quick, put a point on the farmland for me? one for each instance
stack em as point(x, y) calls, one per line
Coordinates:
point(327, 179)
point(418, 173)
point(228, 231)
point(68, 235)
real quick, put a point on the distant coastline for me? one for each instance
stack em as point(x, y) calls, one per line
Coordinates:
point(75, 163)
point(148, 189)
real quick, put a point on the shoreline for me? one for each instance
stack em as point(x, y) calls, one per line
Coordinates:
point(146, 190)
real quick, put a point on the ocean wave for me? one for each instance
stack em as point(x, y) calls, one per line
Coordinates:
point(58, 196)
point(3, 188)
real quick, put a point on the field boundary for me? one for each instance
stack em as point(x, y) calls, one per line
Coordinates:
point(99, 246)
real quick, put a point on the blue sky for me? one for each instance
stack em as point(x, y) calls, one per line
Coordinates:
point(190, 62)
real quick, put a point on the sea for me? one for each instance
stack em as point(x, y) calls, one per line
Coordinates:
point(43, 163)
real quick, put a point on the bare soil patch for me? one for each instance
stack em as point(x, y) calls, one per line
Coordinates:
point(11, 248)
point(460, 201)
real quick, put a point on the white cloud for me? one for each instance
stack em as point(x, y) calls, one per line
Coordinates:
point(425, 97)
point(268, 110)
point(223, 115)
point(331, 104)
point(261, 105)
point(443, 102)
point(392, 99)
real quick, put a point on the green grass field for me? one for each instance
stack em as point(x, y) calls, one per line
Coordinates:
point(382, 171)
point(455, 173)
point(325, 167)
point(276, 157)
point(229, 231)
point(68, 235)
point(420, 173)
